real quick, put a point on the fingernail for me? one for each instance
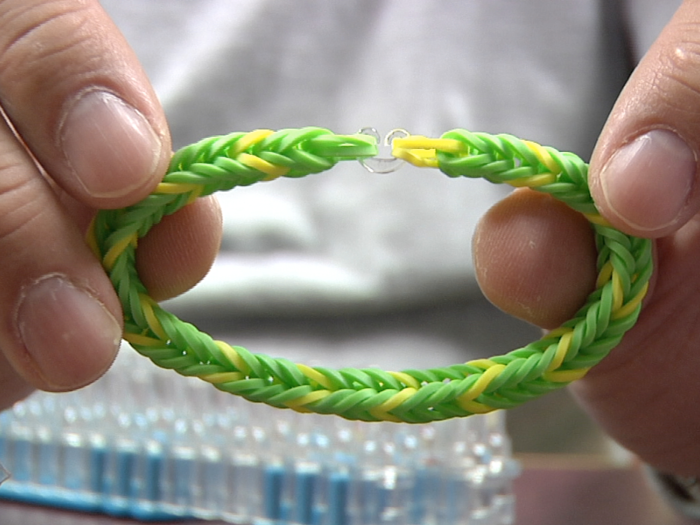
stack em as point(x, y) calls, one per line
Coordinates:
point(647, 182)
point(110, 146)
point(68, 334)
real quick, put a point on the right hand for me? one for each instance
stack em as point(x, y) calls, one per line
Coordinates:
point(644, 179)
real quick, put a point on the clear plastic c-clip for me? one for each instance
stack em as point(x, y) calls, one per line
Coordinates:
point(384, 162)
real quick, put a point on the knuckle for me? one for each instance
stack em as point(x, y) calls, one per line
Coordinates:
point(681, 62)
point(20, 207)
point(45, 41)
point(682, 52)
point(22, 199)
point(674, 73)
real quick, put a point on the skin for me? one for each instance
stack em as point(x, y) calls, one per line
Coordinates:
point(71, 147)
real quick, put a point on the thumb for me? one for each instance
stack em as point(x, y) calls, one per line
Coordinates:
point(644, 171)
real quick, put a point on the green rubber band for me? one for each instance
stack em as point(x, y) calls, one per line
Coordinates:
point(413, 396)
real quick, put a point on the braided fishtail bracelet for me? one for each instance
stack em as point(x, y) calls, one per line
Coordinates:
point(415, 396)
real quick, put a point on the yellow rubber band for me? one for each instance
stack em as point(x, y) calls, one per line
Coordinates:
point(382, 411)
point(314, 375)
point(557, 332)
point(147, 304)
point(92, 240)
point(476, 408)
point(222, 377)
point(543, 156)
point(176, 188)
point(484, 364)
point(249, 139)
point(480, 385)
point(263, 166)
point(533, 182)
point(617, 291)
point(194, 195)
point(142, 340)
point(604, 275)
point(233, 357)
point(628, 308)
point(418, 158)
point(596, 218)
point(562, 349)
point(406, 379)
point(115, 251)
point(307, 399)
point(565, 376)
point(419, 142)
point(422, 151)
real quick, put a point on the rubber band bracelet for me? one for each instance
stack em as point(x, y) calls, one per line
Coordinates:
point(414, 396)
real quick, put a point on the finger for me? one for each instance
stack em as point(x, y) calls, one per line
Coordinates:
point(76, 94)
point(535, 258)
point(179, 251)
point(59, 316)
point(12, 387)
point(644, 171)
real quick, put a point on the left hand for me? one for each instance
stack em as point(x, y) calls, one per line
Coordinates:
point(81, 129)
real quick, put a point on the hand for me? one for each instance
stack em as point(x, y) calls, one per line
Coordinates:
point(644, 178)
point(86, 132)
